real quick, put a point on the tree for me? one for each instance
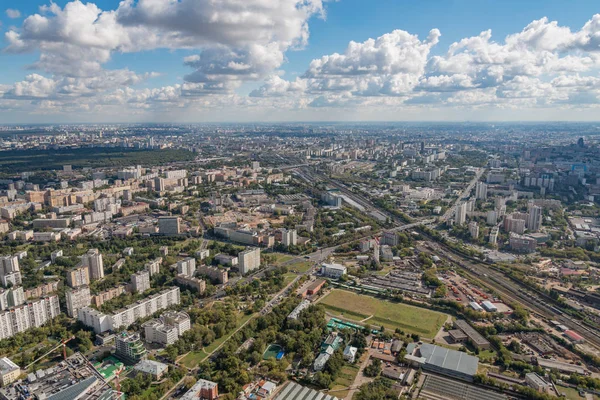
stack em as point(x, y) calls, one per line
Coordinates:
point(374, 369)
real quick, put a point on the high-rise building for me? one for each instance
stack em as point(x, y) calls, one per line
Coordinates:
point(29, 315)
point(515, 225)
point(492, 217)
point(474, 229)
point(460, 216)
point(534, 218)
point(76, 299)
point(140, 281)
point(93, 260)
point(249, 260)
point(128, 315)
point(481, 191)
point(186, 267)
point(78, 276)
point(129, 348)
point(168, 328)
point(169, 225)
point(10, 272)
point(289, 237)
point(390, 238)
point(159, 184)
point(153, 267)
point(494, 236)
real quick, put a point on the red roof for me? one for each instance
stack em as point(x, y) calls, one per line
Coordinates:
point(574, 336)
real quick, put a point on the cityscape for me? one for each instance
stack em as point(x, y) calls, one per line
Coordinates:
point(299, 200)
point(288, 261)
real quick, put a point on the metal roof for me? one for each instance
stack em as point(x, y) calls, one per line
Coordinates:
point(293, 391)
point(449, 359)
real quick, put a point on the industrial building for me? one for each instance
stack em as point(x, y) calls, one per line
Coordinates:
point(444, 361)
point(475, 337)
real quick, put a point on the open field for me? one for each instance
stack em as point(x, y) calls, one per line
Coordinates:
point(391, 315)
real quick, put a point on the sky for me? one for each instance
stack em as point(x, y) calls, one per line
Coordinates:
point(299, 60)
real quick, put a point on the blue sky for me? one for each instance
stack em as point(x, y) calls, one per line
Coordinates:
point(49, 74)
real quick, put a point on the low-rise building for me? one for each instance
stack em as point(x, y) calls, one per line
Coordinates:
point(9, 371)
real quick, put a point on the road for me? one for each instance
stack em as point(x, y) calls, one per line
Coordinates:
point(464, 193)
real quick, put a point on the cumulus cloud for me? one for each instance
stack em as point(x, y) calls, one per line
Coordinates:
point(12, 13)
point(232, 42)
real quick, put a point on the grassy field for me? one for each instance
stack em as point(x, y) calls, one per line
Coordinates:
point(408, 318)
point(570, 393)
point(344, 380)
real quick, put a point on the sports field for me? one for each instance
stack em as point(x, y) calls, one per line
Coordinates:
point(377, 312)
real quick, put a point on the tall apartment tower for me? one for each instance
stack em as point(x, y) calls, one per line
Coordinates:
point(249, 260)
point(140, 281)
point(93, 260)
point(461, 214)
point(534, 218)
point(10, 272)
point(481, 191)
point(77, 299)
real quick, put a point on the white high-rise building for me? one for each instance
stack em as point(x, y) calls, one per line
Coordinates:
point(494, 235)
point(481, 191)
point(76, 299)
point(140, 281)
point(289, 237)
point(10, 272)
point(249, 260)
point(492, 217)
point(153, 267)
point(30, 315)
point(187, 267)
point(93, 260)
point(124, 317)
point(460, 216)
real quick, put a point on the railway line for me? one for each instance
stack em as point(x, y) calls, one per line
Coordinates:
point(519, 294)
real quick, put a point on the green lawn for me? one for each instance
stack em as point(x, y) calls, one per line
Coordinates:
point(391, 315)
point(193, 358)
point(572, 394)
point(300, 266)
point(281, 258)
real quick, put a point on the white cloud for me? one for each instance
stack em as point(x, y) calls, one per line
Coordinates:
point(12, 13)
point(232, 42)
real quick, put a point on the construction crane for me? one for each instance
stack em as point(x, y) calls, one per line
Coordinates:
point(63, 344)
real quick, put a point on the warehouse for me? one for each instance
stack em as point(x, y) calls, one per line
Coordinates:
point(443, 361)
point(475, 337)
point(293, 391)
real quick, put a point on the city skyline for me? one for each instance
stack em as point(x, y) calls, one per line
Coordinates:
point(289, 61)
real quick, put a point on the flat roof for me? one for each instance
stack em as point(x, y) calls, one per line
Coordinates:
point(449, 359)
point(294, 391)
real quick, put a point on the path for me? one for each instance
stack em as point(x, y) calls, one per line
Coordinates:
point(360, 379)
